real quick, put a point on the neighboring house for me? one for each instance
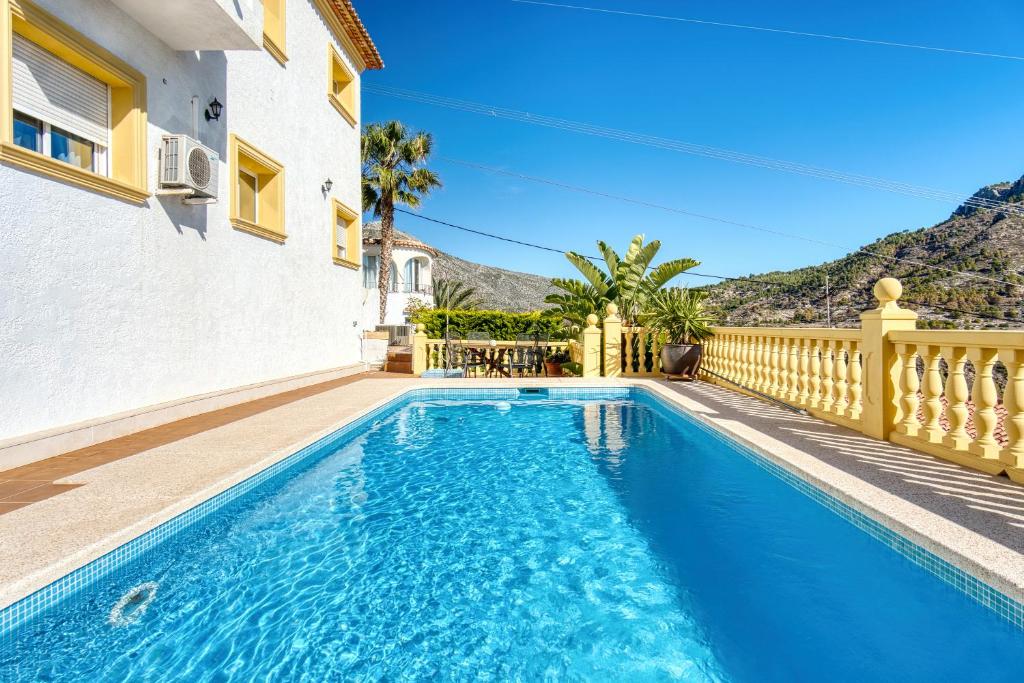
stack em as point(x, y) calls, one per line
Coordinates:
point(121, 290)
point(412, 264)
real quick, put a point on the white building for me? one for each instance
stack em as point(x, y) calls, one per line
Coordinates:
point(124, 305)
point(412, 264)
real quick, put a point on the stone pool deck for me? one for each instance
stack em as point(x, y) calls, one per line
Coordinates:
point(122, 489)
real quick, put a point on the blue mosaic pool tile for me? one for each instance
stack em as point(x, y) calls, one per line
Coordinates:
point(67, 587)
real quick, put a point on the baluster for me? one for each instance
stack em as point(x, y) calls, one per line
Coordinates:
point(805, 371)
point(1013, 400)
point(985, 398)
point(841, 387)
point(815, 395)
point(744, 369)
point(627, 332)
point(772, 383)
point(910, 384)
point(827, 381)
point(794, 370)
point(766, 364)
point(932, 388)
point(856, 386)
point(957, 437)
point(716, 354)
point(734, 358)
point(756, 365)
point(783, 385)
point(729, 347)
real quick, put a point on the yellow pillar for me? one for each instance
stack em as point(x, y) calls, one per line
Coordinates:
point(881, 367)
point(592, 348)
point(612, 342)
point(419, 350)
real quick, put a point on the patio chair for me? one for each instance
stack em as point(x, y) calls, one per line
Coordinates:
point(542, 353)
point(525, 355)
point(476, 354)
point(454, 354)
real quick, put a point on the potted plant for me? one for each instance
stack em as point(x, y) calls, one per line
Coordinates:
point(553, 363)
point(679, 314)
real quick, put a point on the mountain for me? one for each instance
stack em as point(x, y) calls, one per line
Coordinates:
point(932, 266)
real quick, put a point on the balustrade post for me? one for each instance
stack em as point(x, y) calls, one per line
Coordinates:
point(591, 348)
point(1013, 401)
point(880, 367)
point(419, 350)
point(612, 342)
point(984, 397)
point(957, 437)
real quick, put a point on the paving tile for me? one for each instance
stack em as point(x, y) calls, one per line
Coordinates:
point(42, 492)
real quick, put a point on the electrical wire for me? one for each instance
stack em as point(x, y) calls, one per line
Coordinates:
point(802, 34)
point(706, 151)
point(533, 245)
point(716, 219)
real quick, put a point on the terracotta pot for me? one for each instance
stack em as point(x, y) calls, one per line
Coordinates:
point(553, 369)
point(681, 359)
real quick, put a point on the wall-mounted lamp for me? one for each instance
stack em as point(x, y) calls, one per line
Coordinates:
point(326, 187)
point(213, 112)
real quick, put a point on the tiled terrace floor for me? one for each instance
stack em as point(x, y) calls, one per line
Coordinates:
point(32, 483)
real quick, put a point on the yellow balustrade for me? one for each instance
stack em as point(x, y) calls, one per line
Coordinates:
point(961, 420)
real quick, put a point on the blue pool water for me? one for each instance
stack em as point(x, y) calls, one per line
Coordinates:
point(532, 540)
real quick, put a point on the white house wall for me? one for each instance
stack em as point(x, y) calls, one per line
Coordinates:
point(106, 306)
point(397, 301)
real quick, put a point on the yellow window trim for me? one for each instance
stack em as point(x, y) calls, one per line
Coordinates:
point(347, 106)
point(127, 154)
point(270, 198)
point(354, 236)
point(274, 31)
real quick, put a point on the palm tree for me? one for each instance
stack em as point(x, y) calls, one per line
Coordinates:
point(629, 282)
point(454, 295)
point(391, 159)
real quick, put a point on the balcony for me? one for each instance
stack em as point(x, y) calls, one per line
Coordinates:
point(201, 24)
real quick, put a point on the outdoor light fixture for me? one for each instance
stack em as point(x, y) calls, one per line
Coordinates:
point(213, 113)
point(326, 187)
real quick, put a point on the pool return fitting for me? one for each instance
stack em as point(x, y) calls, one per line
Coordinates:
point(132, 605)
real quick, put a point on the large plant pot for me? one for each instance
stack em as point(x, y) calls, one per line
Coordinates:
point(681, 359)
point(553, 369)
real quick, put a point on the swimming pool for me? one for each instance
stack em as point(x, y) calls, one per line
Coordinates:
point(486, 534)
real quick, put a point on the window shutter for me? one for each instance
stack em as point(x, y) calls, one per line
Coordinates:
point(48, 88)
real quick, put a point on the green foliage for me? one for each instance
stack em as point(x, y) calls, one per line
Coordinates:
point(679, 314)
point(391, 158)
point(454, 295)
point(498, 324)
point(628, 281)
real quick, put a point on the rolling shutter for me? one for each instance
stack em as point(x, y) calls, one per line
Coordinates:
point(52, 90)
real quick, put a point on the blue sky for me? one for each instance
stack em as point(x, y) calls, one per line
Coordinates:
point(941, 120)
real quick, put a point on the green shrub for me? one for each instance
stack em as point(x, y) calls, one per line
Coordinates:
point(498, 324)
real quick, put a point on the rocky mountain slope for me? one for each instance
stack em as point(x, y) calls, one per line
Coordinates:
point(988, 243)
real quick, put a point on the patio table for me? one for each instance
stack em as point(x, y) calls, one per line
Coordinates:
point(493, 356)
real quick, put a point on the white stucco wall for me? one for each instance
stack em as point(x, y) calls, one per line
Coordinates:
point(397, 301)
point(106, 306)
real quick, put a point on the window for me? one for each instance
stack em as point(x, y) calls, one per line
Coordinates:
point(413, 270)
point(341, 86)
point(73, 110)
point(257, 191)
point(345, 236)
point(274, 29)
point(371, 265)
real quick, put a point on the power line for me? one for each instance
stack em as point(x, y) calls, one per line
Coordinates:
point(706, 151)
point(802, 34)
point(533, 245)
point(716, 219)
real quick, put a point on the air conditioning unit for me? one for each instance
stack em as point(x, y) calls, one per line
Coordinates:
point(188, 167)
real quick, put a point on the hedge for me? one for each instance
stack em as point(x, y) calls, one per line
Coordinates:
point(498, 324)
